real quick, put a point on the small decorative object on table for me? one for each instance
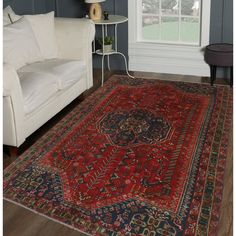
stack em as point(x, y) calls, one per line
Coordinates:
point(95, 10)
point(106, 15)
point(107, 47)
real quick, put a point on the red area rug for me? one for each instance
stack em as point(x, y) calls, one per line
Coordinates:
point(138, 157)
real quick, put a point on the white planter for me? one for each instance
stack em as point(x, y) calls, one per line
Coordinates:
point(107, 48)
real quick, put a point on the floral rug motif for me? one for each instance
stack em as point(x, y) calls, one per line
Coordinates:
point(138, 157)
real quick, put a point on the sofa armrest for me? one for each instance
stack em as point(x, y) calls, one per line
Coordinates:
point(74, 39)
point(73, 34)
point(13, 108)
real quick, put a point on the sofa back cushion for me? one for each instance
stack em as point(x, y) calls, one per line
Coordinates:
point(19, 44)
point(44, 30)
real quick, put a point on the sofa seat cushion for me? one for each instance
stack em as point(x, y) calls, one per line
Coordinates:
point(36, 89)
point(67, 72)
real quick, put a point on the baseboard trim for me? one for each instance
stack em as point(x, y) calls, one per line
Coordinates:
point(157, 65)
point(171, 59)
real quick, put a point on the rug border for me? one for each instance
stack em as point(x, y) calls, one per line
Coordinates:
point(230, 152)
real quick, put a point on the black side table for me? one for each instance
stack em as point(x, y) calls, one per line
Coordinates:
point(219, 54)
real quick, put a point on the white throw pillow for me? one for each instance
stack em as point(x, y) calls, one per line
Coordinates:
point(44, 30)
point(9, 16)
point(19, 44)
point(6, 12)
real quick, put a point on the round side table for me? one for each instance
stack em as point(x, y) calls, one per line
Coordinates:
point(221, 55)
point(113, 20)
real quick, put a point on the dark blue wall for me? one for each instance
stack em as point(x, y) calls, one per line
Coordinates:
point(221, 21)
point(221, 18)
point(67, 8)
point(27, 6)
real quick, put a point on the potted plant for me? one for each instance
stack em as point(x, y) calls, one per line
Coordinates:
point(107, 44)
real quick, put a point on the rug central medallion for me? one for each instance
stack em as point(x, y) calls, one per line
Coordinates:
point(134, 127)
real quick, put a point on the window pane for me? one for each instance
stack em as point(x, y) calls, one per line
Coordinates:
point(179, 21)
point(190, 28)
point(150, 6)
point(190, 7)
point(151, 27)
point(170, 28)
point(169, 7)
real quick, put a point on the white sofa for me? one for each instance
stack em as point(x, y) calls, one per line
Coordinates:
point(74, 38)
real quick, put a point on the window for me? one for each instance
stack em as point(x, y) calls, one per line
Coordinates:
point(168, 36)
point(170, 21)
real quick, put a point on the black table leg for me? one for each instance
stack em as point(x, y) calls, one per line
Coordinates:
point(231, 76)
point(213, 74)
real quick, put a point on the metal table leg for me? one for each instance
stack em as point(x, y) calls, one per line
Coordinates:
point(126, 65)
point(103, 69)
point(116, 49)
point(103, 54)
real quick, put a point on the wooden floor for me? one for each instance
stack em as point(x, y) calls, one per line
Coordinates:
point(18, 221)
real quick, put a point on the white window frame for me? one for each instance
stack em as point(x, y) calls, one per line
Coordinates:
point(160, 16)
point(168, 58)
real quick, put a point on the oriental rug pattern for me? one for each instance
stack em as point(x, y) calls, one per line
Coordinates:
point(138, 157)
